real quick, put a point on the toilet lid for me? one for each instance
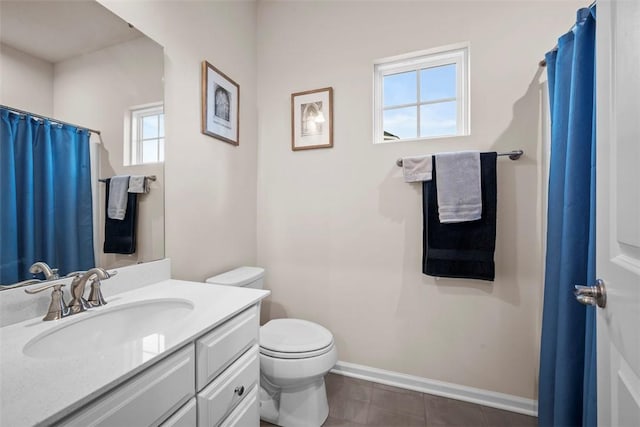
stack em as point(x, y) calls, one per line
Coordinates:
point(294, 336)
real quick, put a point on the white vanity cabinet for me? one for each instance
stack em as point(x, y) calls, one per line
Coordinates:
point(210, 382)
point(145, 400)
point(228, 369)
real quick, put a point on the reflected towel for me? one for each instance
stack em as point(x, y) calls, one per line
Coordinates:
point(138, 184)
point(416, 169)
point(459, 197)
point(465, 249)
point(120, 235)
point(117, 201)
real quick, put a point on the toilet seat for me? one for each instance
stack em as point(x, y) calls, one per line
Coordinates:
point(294, 339)
point(295, 355)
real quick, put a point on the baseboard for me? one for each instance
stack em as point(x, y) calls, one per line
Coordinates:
point(439, 388)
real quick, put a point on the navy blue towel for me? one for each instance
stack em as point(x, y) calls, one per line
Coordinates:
point(465, 249)
point(120, 235)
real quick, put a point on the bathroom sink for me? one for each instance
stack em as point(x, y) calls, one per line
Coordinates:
point(146, 322)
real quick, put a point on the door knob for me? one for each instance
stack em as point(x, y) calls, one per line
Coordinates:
point(592, 295)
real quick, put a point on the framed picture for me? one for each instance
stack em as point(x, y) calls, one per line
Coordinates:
point(220, 105)
point(312, 119)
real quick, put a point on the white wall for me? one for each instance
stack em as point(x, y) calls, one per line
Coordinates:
point(26, 82)
point(96, 90)
point(210, 185)
point(339, 231)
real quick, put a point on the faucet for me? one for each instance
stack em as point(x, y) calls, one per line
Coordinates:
point(42, 267)
point(78, 303)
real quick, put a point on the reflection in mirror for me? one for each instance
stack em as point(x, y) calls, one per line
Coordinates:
point(78, 63)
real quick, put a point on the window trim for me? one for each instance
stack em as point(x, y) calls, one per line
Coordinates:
point(133, 128)
point(451, 54)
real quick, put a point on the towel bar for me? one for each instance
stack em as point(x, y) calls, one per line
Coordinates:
point(150, 178)
point(513, 155)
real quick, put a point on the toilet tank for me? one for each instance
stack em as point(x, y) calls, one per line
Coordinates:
point(249, 277)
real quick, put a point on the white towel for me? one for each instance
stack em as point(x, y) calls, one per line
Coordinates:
point(117, 206)
point(458, 186)
point(138, 184)
point(417, 168)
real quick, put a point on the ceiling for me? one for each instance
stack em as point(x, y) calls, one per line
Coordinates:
point(56, 30)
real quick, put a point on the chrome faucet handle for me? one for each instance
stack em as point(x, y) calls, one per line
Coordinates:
point(96, 299)
point(21, 284)
point(57, 307)
point(95, 296)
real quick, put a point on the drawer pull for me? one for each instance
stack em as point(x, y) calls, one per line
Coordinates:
point(239, 390)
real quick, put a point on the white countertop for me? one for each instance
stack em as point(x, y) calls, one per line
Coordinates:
point(44, 390)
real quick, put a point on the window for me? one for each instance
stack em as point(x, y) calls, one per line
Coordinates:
point(422, 95)
point(144, 139)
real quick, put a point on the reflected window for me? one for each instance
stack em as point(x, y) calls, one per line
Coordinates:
point(146, 134)
point(422, 95)
point(152, 345)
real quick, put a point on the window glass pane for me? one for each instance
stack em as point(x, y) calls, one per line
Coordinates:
point(400, 122)
point(150, 151)
point(438, 83)
point(161, 125)
point(150, 127)
point(161, 150)
point(438, 119)
point(399, 89)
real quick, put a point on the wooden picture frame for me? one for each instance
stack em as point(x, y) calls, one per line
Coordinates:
point(220, 105)
point(312, 119)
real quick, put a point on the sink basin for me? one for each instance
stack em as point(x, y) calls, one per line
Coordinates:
point(105, 328)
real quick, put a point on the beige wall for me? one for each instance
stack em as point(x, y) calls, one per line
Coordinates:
point(339, 231)
point(26, 82)
point(96, 90)
point(210, 193)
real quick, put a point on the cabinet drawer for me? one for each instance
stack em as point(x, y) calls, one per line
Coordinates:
point(145, 400)
point(247, 413)
point(219, 348)
point(185, 417)
point(220, 397)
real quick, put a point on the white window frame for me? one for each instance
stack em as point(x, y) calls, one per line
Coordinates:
point(451, 54)
point(133, 128)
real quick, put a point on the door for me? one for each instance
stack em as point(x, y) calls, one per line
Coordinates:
point(618, 210)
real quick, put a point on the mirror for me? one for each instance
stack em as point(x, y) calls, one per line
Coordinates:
point(77, 62)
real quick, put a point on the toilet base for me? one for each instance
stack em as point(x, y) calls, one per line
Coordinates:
point(304, 406)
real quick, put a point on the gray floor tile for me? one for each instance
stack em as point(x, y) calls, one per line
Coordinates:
point(348, 409)
point(499, 418)
point(342, 387)
point(382, 417)
point(396, 389)
point(333, 422)
point(401, 403)
point(441, 411)
point(358, 403)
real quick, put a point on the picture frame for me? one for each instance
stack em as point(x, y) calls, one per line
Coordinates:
point(220, 105)
point(312, 119)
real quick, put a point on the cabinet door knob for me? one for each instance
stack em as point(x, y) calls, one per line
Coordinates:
point(239, 390)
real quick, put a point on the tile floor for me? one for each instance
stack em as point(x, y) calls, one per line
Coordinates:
point(356, 403)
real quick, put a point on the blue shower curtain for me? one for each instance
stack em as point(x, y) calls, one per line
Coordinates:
point(45, 211)
point(567, 388)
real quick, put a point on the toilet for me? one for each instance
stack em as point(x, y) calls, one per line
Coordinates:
point(295, 356)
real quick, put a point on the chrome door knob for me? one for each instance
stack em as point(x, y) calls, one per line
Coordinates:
point(592, 295)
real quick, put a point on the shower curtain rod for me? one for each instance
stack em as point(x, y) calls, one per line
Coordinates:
point(41, 117)
point(513, 155)
point(543, 62)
